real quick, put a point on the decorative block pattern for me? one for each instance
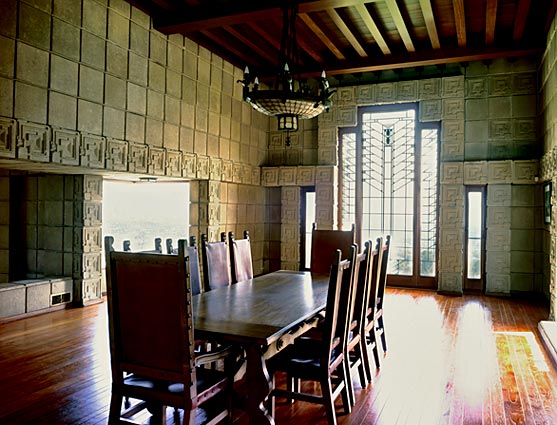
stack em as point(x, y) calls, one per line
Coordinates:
point(202, 169)
point(452, 130)
point(305, 176)
point(174, 163)
point(287, 176)
point(407, 91)
point(451, 261)
point(270, 176)
point(429, 89)
point(430, 110)
point(66, 147)
point(498, 283)
point(453, 86)
point(385, 93)
point(499, 172)
point(34, 142)
point(450, 282)
point(475, 172)
point(524, 172)
point(8, 137)
point(138, 158)
point(452, 216)
point(498, 217)
point(452, 173)
point(452, 195)
point(499, 195)
point(117, 155)
point(94, 151)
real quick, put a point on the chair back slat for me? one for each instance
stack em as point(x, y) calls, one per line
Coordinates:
point(216, 265)
point(383, 271)
point(323, 245)
point(240, 257)
point(347, 297)
point(149, 300)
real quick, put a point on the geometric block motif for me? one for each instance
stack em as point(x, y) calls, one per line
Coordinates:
point(256, 176)
point(157, 161)
point(452, 195)
point(345, 96)
point(8, 138)
point(92, 239)
point(450, 282)
point(287, 176)
point(325, 174)
point(66, 147)
point(92, 213)
point(324, 195)
point(498, 262)
point(452, 217)
point(453, 86)
point(499, 195)
point(365, 95)
point(385, 93)
point(92, 188)
point(227, 171)
point(174, 163)
point(453, 109)
point(324, 216)
point(452, 130)
point(476, 87)
point(290, 214)
point(215, 168)
point(451, 173)
point(138, 158)
point(327, 137)
point(202, 170)
point(452, 151)
point(237, 173)
point(91, 264)
point(275, 140)
point(347, 116)
point(450, 238)
point(93, 151)
point(525, 129)
point(34, 142)
point(500, 129)
point(524, 83)
point(429, 89)
point(498, 217)
point(475, 172)
point(117, 155)
point(290, 196)
point(430, 110)
point(500, 85)
point(189, 165)
point(407, 91)
point(289, 232)
point(327, 155)
point(525, 172)
point(450, 261)
point(306, 176)
point(270, 176)
point(499, 172)
point(246, 174)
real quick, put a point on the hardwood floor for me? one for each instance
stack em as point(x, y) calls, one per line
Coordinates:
point(451, 360)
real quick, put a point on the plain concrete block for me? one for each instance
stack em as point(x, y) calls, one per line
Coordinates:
point(172, 110)
point(138, 66)
point(34, 26)
point(30, 103)
point(175, 56)
point(114, 122)
point(62, 111)
point(61, 285)
point(12, 299)
point(476, 131)
point(89, 117)
point(37, 294)
point(94, 17)
point(50, 188)
point(116, 60)
point(92, 50)
point(189, 91)
point(140, 17)
point(204, 72)
point(137, 99)
point(118, 29)
point(173, 83)
point(139, 39)
point(157, 77)
point(115, 92)
point(32, 64)
point(153, 135)
point(171, 137)
point(65, 39)
point(135, 128)
point(50, 262)
point(8, 18)
point(500, 149)
point(155, 104)
point(500, 107)
point(64, 75)
point(68, 10)
point(7, 53)
point(6, 97)
point(157, 48)
point(524, 106)
point(91, 84)
point(475, 151)
point(190, 64)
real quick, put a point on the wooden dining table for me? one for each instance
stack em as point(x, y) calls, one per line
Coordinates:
point(264, 315)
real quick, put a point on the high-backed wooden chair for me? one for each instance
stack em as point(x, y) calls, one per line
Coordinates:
point(321, 360)
point(371, 319)
point(151, 334)
point(240, 257)
point(216, 263)
point(323, 245)
point(193, 256)
point(158, 246)
point(381, 290)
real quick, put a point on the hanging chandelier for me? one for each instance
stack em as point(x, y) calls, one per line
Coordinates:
point(289, 99)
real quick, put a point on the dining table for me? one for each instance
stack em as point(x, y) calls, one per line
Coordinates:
point(263, 315)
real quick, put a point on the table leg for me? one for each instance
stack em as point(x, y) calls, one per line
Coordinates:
point(258, 386)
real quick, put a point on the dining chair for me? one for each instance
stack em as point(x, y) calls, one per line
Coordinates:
point(193, 256)
point(240, 257)
point(216, 263)
point(320, 360)
point(151, 333)
point(126, 245)
point(323, 245)
point(371, 319)
point(381, 290)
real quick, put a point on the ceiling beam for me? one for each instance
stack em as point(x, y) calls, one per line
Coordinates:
point(434, 57)
point(520, 18)
point(322, 36)
point(460, 22)
point(372, 27)
point(400, 25)
point(235, 15)
point(248, 43)
point(427, 11)
point(220, 42)
point(490, 20)
point(347, 33)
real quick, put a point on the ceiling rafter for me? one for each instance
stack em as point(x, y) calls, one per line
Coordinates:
point(427, 11)
point(261, 52)
point(346, 32)
point(460, 22)
point(219, 41)
point(490, 20)
point(321, 35)
point(372, 27)
point(400, 25)
point(522, 12)
point(236, 16)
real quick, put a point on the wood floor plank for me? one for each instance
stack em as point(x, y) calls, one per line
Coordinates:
point(451, 360)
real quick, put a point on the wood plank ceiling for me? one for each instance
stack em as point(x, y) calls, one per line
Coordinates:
point(359, 36)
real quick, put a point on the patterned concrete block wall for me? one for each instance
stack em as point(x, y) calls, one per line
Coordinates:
point(4, 226)
point(548, 114)
point(272, 248)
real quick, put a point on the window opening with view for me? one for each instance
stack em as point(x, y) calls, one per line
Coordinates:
point(389, 185)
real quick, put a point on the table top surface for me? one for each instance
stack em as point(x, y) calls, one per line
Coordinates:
point(261, 309)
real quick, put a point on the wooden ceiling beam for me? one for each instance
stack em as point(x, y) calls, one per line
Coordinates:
point(234, 15)
point(400, 25)
point(346, 32)
point(433, 57)
point(490, 20)
point(460, 22)
point(372, 27)
point(427, 11)
point(321, 35)
point(261, 52)
point(219, 41)
point(522, 12)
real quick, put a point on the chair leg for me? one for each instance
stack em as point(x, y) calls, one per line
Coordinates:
point(362, 369)
point(328, 402)
point(292, 385)
point(189, 417)
point(375, 347)
point(383, 339)
point(345, 392)
point(115, 408)
point(349, 384)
